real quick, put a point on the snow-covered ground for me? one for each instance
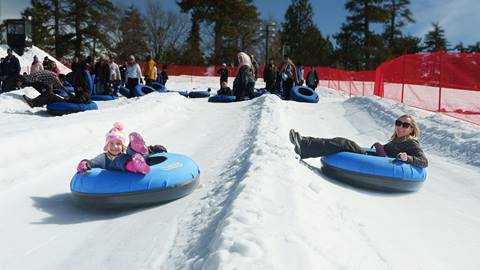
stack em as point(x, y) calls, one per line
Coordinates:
point(257, 205)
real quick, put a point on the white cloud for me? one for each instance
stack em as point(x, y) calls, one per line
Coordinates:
point(459, 18)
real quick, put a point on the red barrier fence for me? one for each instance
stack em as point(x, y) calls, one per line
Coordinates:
point(439, 82)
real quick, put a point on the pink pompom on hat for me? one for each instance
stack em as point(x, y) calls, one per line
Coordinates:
point(116, 133)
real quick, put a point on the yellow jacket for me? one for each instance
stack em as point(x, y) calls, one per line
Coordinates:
point(149, 73)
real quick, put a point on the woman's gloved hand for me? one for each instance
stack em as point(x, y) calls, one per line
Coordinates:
point(380, 151)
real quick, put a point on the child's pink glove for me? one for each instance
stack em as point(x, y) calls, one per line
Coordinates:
point(83, 166)
point(379, 149)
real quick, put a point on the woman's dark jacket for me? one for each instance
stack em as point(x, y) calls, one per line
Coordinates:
point(244, 83)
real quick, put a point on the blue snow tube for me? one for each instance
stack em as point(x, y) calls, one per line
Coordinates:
point(183, 93)
point(171, 176)
point(222, 99)
point(373, 172)
point(142, 90)
point(199, 94)
point(303, 94)
point(124, 91)
point(159, 87)
point(61, 108)
point(259, 92)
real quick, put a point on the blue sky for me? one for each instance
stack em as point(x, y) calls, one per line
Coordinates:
point(459, 18)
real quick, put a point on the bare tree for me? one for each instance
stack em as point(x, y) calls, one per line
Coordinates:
point(165, 29)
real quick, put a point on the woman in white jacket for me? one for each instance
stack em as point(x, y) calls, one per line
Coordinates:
point(133, 74)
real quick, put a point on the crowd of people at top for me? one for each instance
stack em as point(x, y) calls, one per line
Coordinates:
point(47, 79)
point(277, 79)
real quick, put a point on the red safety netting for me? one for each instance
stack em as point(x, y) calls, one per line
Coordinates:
point(440, 82)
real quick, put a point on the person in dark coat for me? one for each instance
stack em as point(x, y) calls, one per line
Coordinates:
point(289, 77)
point(312, 78)
point(76, 64)
point(270, 75)
point(255, 66)
point(102, 77)
point(10, 70)
point(43, 81)
point(403, 144)
point(244, 82)
point(164, 75)
point(223, 72)
point(224, 90)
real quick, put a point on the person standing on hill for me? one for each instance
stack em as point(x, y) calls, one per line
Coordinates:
point(254, 66)
point(36, 65)
point(164, 75)
point(300, 74)
point(244, 82)
point(133, 74)
point(10, 70)
point(149, 70)
point(223, 72)
point(312, 78)
point(289, 77)
point(76, 64)
point(270, 75)
point(115, 75)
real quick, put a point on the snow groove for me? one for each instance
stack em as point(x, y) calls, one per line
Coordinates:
point(195, 242)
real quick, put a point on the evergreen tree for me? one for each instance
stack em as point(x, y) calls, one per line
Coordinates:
point(89, 19)
point(349, 49)
point(227, 16)
point(2, 29)
point(132, 35)
point(41, 36)
point(302, 37)
point(399, 15)
point(474, 48)
point(48, 25)
point(192, 55)
point(435, 39)
point(363, 13)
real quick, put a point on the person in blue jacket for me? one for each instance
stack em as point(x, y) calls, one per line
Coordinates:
point(403, 144)
point(118, 157)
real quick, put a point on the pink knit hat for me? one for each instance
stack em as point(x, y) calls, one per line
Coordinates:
point(115, 134)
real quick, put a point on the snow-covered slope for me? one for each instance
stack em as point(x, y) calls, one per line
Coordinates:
point(27, 58)
point(257, 205)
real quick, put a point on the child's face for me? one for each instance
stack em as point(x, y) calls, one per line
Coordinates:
point(115, 147)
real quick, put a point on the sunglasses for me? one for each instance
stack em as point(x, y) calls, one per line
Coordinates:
point(403, 124)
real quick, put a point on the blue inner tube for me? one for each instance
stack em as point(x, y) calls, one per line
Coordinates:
point(221, 99)
point(142, 90)
point(303, 94)
point(259, 92)
point(171, 176)
point(61, 108)
point(159, 87)
point(199, 94)
point(124, 91)
point(373, 172)
point(183, 93)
